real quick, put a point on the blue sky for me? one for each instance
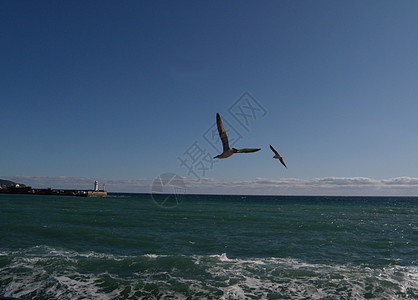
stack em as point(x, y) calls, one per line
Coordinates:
point(119, 90)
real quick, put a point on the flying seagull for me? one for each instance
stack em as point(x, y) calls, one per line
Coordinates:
point(277, 156)
point(227, 152)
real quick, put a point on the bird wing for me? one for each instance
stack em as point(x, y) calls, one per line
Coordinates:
point(248, 150)
point(274, 150)
point(222, 133)
point(282, 161)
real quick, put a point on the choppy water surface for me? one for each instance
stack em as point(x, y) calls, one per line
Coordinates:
point(208, 247)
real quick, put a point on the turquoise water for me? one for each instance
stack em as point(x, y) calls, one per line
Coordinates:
point(208, 247)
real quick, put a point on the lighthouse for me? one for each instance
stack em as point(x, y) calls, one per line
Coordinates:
point(96, 192)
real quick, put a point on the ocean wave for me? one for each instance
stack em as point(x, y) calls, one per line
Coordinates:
point(47, 273)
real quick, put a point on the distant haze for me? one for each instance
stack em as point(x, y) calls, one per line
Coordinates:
point(332, 186)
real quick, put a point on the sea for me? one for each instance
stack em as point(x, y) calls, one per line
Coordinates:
point(145, 246)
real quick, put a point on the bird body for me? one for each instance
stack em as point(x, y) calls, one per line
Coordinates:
point(278, 156)
point(227, 151)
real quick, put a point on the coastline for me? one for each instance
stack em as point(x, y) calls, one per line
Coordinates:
point(55, 192)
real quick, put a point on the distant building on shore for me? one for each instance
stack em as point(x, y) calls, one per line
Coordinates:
point(10, 187)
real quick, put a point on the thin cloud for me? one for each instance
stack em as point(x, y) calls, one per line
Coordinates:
point(401, 181)
point(327, 186)
point(338, 186)
point(344, 181)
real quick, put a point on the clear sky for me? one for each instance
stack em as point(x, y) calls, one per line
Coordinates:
point(121, 90)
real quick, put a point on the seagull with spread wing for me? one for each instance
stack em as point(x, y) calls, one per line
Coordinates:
point(277, 156)
point(227, 152)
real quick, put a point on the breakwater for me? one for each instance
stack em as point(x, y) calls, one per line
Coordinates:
point(55, 192)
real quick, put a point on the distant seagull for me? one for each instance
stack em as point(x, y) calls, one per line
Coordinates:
point(227, 152)
point(277, 156)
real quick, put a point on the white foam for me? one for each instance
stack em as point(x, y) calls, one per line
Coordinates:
point(233, 292)
point(81, 286)
point(231, 278)
point(154, 256)
point(221, 257)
